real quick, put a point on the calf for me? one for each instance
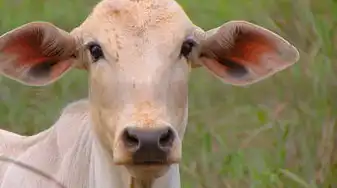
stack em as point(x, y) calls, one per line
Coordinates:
point(138, 54)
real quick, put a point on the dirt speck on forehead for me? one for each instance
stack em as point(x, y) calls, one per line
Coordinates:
point(137, 14)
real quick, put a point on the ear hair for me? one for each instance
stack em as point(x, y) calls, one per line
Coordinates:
point(242, 53)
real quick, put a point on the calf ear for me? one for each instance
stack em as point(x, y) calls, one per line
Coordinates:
point(242, 53)
point(36, 53)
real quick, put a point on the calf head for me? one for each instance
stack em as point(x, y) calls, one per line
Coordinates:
point(138, 55)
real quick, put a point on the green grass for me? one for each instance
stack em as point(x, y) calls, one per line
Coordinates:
point(279, 133)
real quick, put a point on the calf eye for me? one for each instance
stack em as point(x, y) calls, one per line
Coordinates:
point(95, 51)
point(187, 47)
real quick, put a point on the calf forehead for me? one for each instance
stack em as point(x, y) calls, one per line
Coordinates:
point(121, 23)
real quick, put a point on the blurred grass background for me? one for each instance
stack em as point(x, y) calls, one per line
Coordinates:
point(279, 133)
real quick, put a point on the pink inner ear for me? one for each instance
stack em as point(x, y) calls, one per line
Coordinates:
point(60, 68)
point(249, 47)
point(26, 48)
point(247, 50)
point(241, 53)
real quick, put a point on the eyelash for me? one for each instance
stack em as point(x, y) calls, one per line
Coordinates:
point(96, 52)
point(187, 47)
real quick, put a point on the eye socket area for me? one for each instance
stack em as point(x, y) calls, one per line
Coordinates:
point(96, 51)
point(187, 47)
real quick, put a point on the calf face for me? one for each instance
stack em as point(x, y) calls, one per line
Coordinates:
point(138, 55)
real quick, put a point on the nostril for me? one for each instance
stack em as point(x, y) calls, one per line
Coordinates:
point(131, 141)
point(166, 139)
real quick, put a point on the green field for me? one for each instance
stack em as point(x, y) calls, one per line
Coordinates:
point(280, 132)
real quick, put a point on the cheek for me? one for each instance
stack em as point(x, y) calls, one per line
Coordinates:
point(179, 91)
point(104, 106)
point(104, 129)
point(182, 126)
point(179, 83)
point(102, 84)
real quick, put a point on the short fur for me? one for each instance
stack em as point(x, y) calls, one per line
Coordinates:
point(142, 81)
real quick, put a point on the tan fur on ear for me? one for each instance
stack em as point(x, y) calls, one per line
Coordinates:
point(242, 53)
point(78, 35)
point(36, 53)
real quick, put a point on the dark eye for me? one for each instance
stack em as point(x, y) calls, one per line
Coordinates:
point(187, 47)
point(96, 52)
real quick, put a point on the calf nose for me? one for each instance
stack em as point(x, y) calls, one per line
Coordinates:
point(148, 145)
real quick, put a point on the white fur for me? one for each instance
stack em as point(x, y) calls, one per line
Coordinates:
point(69, 152)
